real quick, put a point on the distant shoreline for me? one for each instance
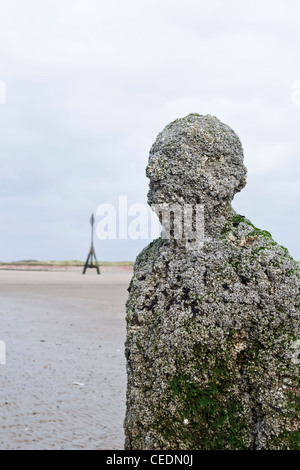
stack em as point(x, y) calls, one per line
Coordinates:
point(34, 265)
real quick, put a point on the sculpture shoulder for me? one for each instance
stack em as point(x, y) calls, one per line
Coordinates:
point(252, 249)
point(149, 255)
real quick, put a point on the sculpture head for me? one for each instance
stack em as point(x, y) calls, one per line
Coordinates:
point(196, 160)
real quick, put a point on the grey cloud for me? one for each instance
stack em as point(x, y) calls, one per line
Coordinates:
point(89, 86)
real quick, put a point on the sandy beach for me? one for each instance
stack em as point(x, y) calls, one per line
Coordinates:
point(64, 382)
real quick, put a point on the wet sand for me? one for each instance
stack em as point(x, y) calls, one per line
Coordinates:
point(64, 382)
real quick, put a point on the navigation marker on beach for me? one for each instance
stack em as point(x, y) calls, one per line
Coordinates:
point(92, 255)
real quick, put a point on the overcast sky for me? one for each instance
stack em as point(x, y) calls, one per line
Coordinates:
point(89, 84)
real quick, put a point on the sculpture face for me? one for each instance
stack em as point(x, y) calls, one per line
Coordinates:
point(196, 160)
